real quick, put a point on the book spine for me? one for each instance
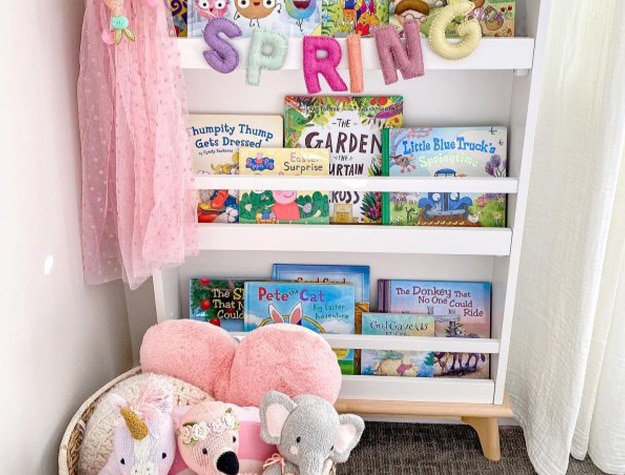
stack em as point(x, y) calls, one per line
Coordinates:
point(386, 218)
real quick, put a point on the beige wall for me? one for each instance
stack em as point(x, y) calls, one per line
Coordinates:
point(60, 340)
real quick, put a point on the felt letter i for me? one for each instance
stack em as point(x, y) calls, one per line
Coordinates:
point(268, 50)
point(223, 57)
point(354, 55)
point(313, 65)
point(391, 52)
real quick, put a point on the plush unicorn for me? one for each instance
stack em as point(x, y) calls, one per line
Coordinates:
point(145, 438)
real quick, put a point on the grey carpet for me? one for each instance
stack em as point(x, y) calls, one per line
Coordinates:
point(432, 449)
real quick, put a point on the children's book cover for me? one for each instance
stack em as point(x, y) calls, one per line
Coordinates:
point(289, 206)
point(217, 301)
point(291, 18)
point(342, 18)
point(444, 152)
point(323, 308)
point(179, 15)
point(358, 276)
point(215, 142)
point(350, 127)
point(460, 309)
point(496, 17)
point(392, 362)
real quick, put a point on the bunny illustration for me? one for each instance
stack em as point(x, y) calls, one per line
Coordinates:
point(295, 317)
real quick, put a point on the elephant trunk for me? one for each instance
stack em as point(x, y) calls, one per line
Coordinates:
point(314, 466)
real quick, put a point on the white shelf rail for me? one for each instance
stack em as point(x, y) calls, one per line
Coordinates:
point(379, 184)
point(491, 54)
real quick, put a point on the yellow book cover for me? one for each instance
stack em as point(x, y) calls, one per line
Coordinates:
point(288, 206)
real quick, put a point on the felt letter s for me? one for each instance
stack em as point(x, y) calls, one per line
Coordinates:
point(391, 51)
point(314, 65)
point(223, 57)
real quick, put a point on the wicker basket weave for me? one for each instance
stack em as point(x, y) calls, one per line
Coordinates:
point(70, 444)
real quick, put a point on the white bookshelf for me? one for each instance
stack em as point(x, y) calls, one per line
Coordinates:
point(497, 85)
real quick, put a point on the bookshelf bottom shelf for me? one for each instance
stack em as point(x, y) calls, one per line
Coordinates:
point(482, 417)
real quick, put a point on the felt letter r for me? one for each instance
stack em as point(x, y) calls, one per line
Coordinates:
point(313, 65)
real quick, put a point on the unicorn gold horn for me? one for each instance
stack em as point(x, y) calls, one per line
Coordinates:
point(138, 429)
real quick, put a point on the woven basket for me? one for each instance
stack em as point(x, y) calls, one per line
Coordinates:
point(70, 444)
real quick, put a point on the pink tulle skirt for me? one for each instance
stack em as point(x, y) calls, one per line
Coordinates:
point(138, 203)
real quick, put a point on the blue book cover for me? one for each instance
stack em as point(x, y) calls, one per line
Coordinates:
point(460, 309)
point(392, 362)
point(323, 308)
point(444, 152)
point(358, 276)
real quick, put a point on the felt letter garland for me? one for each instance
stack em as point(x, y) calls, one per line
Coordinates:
point(267, 51)
point(313, 65)
point(223, 57)
point(392, 54)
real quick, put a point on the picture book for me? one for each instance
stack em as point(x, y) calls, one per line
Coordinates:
point(215, 142)
point(496, 17)
point(460, 309)
point(217, 301)
point(291, 18)
point(345, 17)
point(358, 276)
point(444, 152)
point(392, 362)
point(323, 308)
point(350, 127)
point(179, 15)
point(289, 206)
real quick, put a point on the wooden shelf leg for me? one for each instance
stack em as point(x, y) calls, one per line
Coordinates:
point(487, 429)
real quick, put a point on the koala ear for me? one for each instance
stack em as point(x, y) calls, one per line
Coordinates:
point(274, 411)
point(350, 431)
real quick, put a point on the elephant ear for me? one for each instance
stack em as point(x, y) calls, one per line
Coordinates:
point(350, 431)
point(274, 411)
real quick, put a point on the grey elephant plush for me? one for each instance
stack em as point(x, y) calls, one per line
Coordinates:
point(310, 435)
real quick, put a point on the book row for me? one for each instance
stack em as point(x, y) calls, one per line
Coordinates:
point(336, 18)
point(346, 136)
point(335, 299)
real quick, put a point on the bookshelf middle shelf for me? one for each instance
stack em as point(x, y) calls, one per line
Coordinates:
point(346, 238)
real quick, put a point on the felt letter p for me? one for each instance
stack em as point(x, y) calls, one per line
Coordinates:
point(267, 51)
point(314, 65)
point(391, 51)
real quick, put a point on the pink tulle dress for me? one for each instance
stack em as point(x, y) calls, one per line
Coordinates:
point(138, 202)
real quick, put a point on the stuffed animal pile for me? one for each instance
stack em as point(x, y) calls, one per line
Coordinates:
point(261, 406)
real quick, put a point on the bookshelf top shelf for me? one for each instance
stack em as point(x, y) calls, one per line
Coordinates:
point(491, 53)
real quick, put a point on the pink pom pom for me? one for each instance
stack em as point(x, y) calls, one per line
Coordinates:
point(281, 357)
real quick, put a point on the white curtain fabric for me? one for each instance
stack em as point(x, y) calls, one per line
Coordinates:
point(566, 372)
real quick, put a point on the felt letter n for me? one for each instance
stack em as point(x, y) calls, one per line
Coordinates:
point(313, 65)
point(268, 50)
point(392, 55)
point(223, 57)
